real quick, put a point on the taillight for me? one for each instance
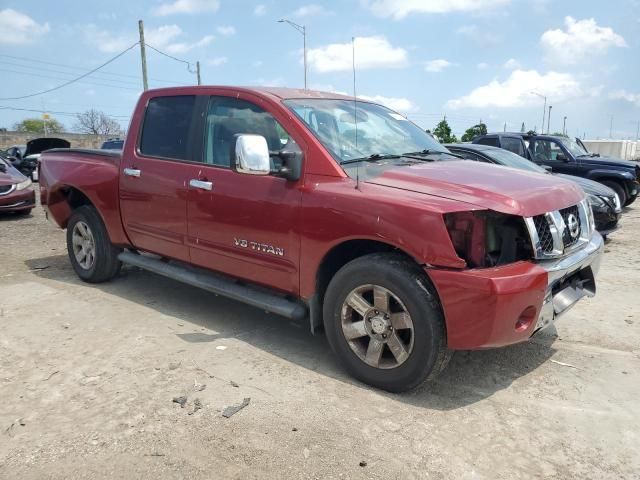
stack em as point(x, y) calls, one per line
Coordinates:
point(468, 236)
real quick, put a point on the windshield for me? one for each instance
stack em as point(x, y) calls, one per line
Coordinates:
point(574, 148)
point(510, 159)
point(378, 130)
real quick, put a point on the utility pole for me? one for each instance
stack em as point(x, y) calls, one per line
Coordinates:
point(544, 109)
point(303, 30)
point(564, 125)
point(143, 56)
point(638, 131)
point(198, 72)
point(549, 120)
point(611, 128)
point(505, 127)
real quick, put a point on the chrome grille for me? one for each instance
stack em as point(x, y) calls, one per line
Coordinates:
point(566, 214)
point(551, 232)
point(544, 233)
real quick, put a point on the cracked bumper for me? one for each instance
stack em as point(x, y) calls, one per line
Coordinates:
point(494, 307)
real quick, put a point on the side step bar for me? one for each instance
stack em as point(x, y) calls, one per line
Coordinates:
point(219, 285)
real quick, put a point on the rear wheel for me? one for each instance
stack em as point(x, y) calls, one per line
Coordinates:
point(616, 187)
point(383, 321)
point(91, 253)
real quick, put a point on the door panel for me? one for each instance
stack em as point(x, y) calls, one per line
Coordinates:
point(244, 225)
point(154, 178)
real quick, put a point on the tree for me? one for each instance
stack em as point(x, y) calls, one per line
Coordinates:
point(95, 122)
point(473, 132)
point(37, 125)
point(523, 129)
point(443, 132)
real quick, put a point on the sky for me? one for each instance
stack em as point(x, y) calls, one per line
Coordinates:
point(471, 60)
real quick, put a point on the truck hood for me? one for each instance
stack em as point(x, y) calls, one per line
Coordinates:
point(39, 145)
point(608, 162)
point(492, 187)
point(11, 176)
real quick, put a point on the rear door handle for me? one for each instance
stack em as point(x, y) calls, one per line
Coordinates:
point(132, 172)
point(201, 184)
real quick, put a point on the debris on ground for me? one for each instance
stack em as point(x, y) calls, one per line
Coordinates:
point(21, 422)
point(363, 463)
point(233, 384)
point(305, 452)
point(154, 454)
point(221, 347)
point(198, 387)
point(294, 429)
point(232, 410)
point(182, 400)
point(564, 364)
point(51, 375)
point(66, 325)
point(39, 268)
point(197, 405)
point(174, 365)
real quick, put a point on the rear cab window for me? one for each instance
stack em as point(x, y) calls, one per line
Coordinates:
point(167, 126)
point(513, 145)
point(492, 141)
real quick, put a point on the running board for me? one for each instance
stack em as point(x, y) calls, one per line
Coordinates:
point(219, 285)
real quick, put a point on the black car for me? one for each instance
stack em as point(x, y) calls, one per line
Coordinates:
point(604, 201)
point(568, 156)
point(112, 144)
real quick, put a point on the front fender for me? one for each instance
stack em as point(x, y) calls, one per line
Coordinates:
point(603, 174)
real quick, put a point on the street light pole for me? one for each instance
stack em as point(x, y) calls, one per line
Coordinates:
point(549, 121)
point(544, 109)
point(564, 125)
point(303, 30)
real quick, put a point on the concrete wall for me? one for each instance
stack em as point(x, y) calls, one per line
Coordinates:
point(624, 149)
point(77, 140)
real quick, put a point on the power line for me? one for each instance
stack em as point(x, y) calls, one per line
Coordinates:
point(172, 58)
point(31, 74)
point(75, 79)
point(71, 67)
point(3, 107)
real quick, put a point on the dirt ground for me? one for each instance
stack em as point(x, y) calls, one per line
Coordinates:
point(88, 375)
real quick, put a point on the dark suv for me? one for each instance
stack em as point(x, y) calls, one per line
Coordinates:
point(565, 155)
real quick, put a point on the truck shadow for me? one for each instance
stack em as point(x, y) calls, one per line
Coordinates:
point(470, 377)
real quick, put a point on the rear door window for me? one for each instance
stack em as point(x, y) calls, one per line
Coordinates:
point(513, 145)
point(166, 127)
point(493, 141)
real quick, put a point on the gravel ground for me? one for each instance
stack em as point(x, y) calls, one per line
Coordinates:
point(88, 375)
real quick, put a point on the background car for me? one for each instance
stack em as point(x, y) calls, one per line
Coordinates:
point(16, 194)
point(35, 147)
point(605, 203)
point(112, 144)
point(564, 155)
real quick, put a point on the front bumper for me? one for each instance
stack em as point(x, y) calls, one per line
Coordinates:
point(606, 219)
point(494, 307)
point(18, 201)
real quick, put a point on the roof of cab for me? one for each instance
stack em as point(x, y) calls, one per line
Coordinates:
point(279, 93)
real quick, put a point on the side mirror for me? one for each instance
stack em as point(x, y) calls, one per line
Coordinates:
point(251, 155)
point(561, 157)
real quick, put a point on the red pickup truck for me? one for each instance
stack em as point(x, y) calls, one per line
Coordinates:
point(321, 206)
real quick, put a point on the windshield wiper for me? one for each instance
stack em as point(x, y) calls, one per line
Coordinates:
point(371, 158)
point(427, 152)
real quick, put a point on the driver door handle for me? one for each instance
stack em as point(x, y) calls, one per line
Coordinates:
point(132, 172)
point(201, 184)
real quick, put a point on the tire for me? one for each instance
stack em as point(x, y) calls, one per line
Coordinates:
point(393, 276)
point(100, 262)
point(616, 187)
point(24, 213)
point(630, 200)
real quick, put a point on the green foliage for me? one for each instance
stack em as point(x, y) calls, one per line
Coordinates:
point(560, 134)
point(473, 132)
point(443, 132)
point(36, 125)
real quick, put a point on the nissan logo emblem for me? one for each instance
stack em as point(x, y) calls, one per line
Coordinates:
point(573, 225)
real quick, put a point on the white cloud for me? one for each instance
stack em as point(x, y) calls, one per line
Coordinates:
point(437, 66)
point(19, 29)
point(482, 36)
point(187, 6)
point(259, 10)
point(581, 39)
point(399, 9)
point(163, 37)
point(398, 104)
point(311, 10)
point(226, 30)
point(370, 52)
point(516, 90)
point(624, 95)
point(216, 62)
point(512, 64)
point(482, 66)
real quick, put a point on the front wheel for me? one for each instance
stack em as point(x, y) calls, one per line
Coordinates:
point(91, 253)
point(616, 187)
point(384, 322)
